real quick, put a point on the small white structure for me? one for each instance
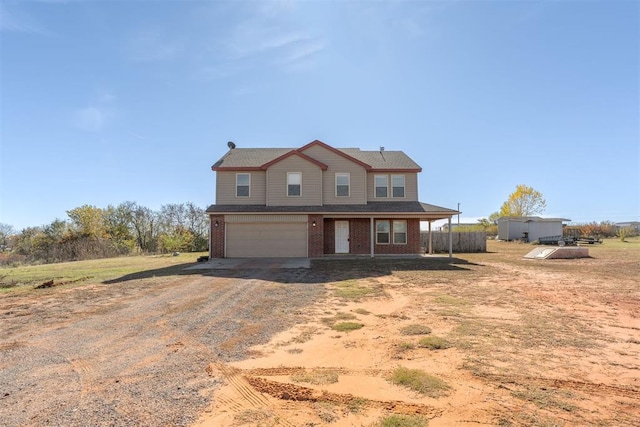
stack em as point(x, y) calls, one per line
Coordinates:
point(529, 228)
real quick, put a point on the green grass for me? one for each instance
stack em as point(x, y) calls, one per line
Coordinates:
point(354, 290)
point(415, 329)
point(433, 343)
point(346, 326)
point(403, 421)
point(419, 381)
point(93, 271)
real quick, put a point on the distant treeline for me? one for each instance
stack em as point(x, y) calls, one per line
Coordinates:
point(91, 232)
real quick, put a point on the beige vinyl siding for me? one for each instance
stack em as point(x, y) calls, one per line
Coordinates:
point(410, 187)
point(339, 164)
point(277, 183)
point(226, 188)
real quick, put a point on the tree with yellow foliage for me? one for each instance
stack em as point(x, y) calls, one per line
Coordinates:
point(525, 201)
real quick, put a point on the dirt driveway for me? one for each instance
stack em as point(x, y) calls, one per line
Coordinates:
point(134, 352)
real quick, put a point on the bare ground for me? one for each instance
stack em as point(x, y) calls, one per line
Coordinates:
point(530, 343)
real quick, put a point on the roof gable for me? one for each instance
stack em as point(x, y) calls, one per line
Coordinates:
point(298, 154)
point(336, 151)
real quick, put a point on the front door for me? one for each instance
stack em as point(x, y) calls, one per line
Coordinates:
point(342, 237)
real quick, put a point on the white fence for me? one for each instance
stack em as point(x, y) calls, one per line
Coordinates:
point(462, 242)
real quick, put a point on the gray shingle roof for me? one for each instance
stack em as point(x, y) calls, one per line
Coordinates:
point(256, 157)
point(417, 208)
point(250, 157)
point(382, 159)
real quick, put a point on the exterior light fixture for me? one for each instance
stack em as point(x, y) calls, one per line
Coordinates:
point(217, 224)
point(313, 224)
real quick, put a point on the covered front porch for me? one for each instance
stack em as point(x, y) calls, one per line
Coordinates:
point(386, 234)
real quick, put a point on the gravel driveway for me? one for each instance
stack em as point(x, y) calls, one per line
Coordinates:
point(134, 352)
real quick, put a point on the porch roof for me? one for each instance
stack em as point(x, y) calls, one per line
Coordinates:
point(408, 209)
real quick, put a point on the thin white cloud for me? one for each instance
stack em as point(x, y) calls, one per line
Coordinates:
point(303, 51)
point(90, 119)
point(16, 20)
point(96, 116)
point(151, 45)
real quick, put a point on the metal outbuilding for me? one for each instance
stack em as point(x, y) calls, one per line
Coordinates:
point(529, 228)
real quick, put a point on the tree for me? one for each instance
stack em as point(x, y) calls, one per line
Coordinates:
point(525, 201)
point(87, 221)
point(144, 224)
point(6, 231)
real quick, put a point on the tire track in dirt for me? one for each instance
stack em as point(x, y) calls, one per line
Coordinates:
point(252, 386)
point(292, 392)
point(583, 386)
point(249, 394)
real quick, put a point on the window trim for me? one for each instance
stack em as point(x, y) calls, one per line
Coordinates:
point(290, 174)
point(405, 232)
point(248, 185)
point(375, 186)
point(378, 221)
point(348, 175)
point(404, 187)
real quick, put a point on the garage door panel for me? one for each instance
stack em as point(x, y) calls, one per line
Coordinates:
point(266, 240)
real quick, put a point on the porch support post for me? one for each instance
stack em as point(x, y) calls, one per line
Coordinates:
point(371, 236)
point(450, 240)
point(430, 251)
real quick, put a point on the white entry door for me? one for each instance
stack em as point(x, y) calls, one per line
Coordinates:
point(342, 237)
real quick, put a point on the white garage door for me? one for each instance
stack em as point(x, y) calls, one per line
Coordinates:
point(265, 240)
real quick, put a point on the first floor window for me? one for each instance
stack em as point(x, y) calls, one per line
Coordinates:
point(243, 182)
point(400, 232)
point(294, 184)
point(397, 184)
point(382, 186)
point(342, 185)
point(382, 232)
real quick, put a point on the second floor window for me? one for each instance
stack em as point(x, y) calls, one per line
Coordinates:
point(243, 183)
point(342, 185)
point(382, 186)
point(294, 184)
point(397, 182)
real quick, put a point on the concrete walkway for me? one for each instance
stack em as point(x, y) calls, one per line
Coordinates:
point(251, 263)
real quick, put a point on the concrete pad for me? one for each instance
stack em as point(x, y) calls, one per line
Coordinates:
point(251, 263)
point(560, 252)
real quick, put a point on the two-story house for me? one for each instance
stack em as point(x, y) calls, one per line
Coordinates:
point(317, 200)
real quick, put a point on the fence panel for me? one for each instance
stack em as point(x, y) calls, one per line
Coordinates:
point(462, 242)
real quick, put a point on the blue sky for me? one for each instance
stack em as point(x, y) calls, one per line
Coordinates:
point(108, 101)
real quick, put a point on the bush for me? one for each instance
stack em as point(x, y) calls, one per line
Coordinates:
point(419, 381)
point(433, 343)
point(415, 329)
point(403, 421)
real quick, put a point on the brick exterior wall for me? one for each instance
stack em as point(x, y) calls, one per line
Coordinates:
point(360, 235)
point(216, 236)
point(329, 236)
point(413, 240)
point(316, 236)
point(359, 230)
